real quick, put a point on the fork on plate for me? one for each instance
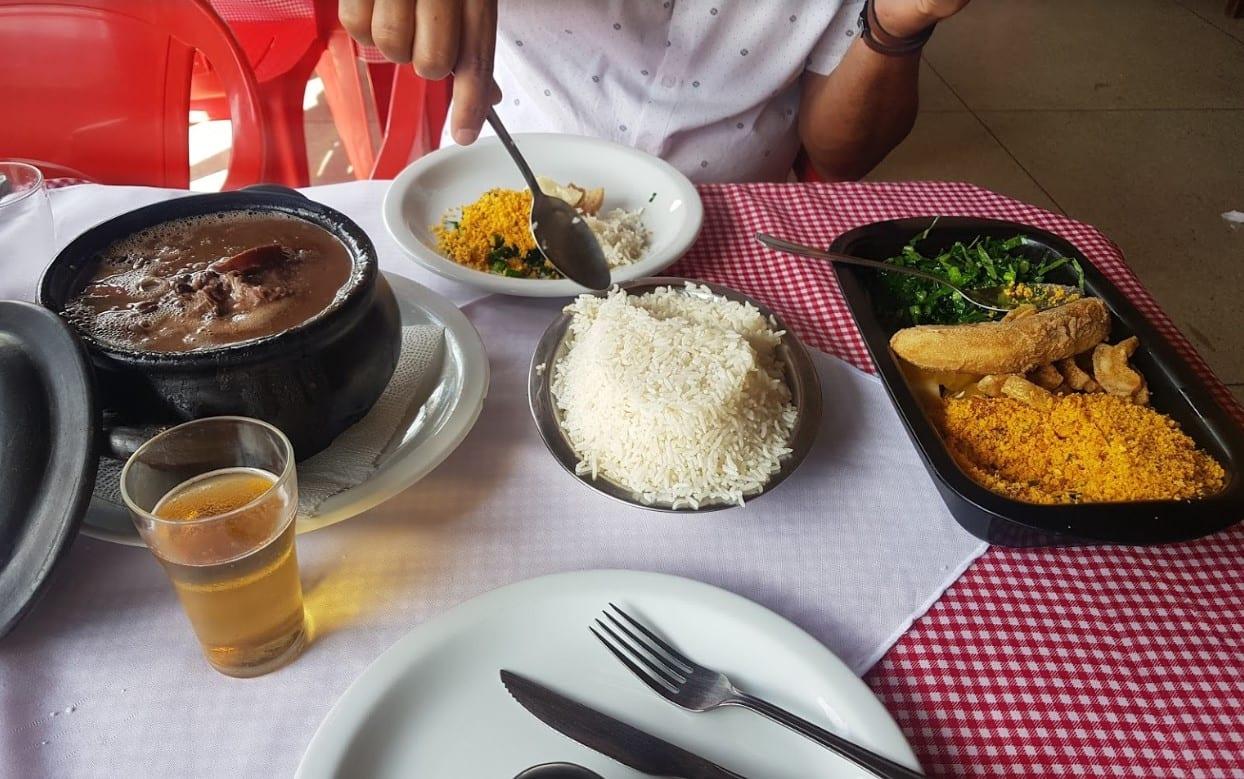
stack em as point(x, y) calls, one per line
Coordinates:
point(695, 687)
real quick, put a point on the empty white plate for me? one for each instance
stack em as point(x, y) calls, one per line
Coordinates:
point(433, 706)
point(455, 176)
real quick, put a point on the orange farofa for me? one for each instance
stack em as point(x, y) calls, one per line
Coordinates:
point(1049, 296)
point(1084, 449)
point(498, 212)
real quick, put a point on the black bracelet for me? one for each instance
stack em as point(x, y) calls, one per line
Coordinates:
point(882, 42)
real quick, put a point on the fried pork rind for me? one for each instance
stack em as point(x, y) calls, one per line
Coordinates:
point(991, 385)
point(1046, 377)
point(570, 194)
point(1076, 377)
point(1027, 393)
point(588, 201)
point(592, 200)
point(1111, 370)
point(1016, 346)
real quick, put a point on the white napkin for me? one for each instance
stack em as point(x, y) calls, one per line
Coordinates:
point(354, 455)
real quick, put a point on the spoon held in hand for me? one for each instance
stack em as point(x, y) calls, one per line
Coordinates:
point(561, 233)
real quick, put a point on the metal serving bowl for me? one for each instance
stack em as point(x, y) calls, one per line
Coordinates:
point(797, 367)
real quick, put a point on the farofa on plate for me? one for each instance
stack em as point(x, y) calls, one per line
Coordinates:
point(1082, 448)
point(493, 233)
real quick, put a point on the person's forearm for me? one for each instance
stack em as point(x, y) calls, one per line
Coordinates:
point(851, 119)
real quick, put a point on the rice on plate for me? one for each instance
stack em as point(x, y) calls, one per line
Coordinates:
point(677, 395)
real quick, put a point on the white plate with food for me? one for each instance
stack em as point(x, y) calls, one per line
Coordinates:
point(455, 392)
point(433, 705)
point(645, 212)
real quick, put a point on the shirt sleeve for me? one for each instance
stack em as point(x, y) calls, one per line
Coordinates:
point(839, 34)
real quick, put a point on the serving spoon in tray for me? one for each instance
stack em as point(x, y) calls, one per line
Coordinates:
point(996, 298)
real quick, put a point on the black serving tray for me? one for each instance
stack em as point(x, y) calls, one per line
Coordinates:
point(1175, 390)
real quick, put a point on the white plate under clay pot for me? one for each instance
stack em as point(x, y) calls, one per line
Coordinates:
point(444, 404)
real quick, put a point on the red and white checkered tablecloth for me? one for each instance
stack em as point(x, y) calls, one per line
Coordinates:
point(1102, 661)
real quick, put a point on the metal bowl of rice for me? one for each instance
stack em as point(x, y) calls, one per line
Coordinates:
point(674, 395)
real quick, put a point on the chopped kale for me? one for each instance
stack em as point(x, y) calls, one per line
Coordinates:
point(982, 262)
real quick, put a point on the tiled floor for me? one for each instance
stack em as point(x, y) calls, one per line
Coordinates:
point(1126, 114)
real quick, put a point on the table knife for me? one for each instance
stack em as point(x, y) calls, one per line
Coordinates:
point(625, 743)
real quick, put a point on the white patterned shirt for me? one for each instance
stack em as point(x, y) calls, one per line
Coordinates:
point(711, 86)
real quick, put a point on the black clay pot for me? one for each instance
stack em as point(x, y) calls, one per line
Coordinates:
point(312, 381)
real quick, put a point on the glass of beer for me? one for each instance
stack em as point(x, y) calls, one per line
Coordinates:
point(215, 501)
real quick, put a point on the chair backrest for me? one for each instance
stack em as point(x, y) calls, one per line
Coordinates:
point(417, 112)
point(103, 86)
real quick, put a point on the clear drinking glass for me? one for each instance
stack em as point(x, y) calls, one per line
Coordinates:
point(27, 240)
point(215, 501)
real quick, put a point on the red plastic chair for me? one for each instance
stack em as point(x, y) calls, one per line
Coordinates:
point(417, 112)
point(282, 40)
point(103, 86)
point(282, 53)
point(411, 110)
point(345, 91)
point(284, 44)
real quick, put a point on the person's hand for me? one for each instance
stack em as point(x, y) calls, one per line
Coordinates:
point(906, 18)
point(440, 37)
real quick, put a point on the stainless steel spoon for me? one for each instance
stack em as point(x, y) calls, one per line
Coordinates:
point(562, 235)
point(1001, 298)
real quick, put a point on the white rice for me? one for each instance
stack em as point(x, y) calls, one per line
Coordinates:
point(622, 235)
point(676, 395)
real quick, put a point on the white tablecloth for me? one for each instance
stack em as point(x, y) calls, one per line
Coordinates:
point(104, 678)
